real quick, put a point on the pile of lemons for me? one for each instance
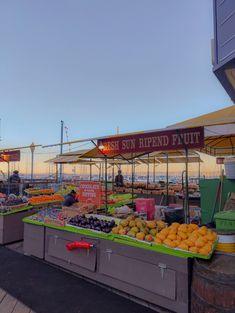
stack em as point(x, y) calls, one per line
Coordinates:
point(189, 237)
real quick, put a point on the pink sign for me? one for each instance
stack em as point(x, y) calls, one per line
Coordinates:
point(90, 193)
point(219, 160)
point(10, 156)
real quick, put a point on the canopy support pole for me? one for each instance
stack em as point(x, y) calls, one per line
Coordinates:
point(8, 178)
point(167, 179)
point(132, 179)
point(61, 149)
point(199, 170)
point(113, 176)
point(106, 186)
point(90, 170)
point(148, 174)
point(186, 187)
point(100, 172)
point(154, 170)
point(56, 172)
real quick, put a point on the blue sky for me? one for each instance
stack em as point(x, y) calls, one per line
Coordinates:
point(99, 64)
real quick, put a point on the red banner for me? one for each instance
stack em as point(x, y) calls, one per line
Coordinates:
point(90, 193)
point(10, 156)
point(167, 140)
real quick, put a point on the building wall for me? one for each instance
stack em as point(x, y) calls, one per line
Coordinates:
point(224, 14)
point(224, 44)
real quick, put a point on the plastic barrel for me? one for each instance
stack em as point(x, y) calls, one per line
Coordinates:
point(213, 285)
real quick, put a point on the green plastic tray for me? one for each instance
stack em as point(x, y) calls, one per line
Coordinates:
point(29, 207)
point(225, 220)
point(125, 240)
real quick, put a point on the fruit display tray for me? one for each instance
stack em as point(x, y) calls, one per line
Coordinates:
point(126, 240)
point(16, 210)
point(46, 203)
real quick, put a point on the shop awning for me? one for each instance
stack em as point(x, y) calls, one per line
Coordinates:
point(160, 157)
point(219, 129)
point(68, 157)
point(173, 157)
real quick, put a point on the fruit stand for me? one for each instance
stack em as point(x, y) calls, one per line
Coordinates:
point(145, 266)
point(156, 278)
point(11, 226)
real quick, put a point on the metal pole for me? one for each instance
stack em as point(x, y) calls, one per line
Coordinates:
point(132, 180)
point(32, 160)
point(61, 149)
point(106, 187)
point(90, 170)
point(167, 179)
point(56, 172)
point(32, 148)
point(113, 176)
point(100, 172)
point(199, 170)
point(148, 174)
point(186, 186)
point(154, 170)
point(8, 175)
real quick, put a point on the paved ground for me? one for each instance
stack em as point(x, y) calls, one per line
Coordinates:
point(46, 289)
point(9, 304)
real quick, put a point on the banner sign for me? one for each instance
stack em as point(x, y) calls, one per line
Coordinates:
point(165, 140)
point(90, 193)
point(10, 156)
point(219, 160)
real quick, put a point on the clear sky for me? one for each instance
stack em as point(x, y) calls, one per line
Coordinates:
point(99, 64)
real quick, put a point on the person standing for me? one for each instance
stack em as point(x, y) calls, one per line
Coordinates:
point(119, 180)
point(15, 178)
point(14, 181)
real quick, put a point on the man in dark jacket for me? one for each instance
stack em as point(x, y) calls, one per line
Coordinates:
point(119, 180)
point(15, 178)
point(15, 181)
point(70, 199)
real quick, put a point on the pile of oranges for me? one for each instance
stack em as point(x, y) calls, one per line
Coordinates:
point(187, 237)
point(45, 199)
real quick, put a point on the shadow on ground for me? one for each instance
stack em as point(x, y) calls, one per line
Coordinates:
point(46, 289)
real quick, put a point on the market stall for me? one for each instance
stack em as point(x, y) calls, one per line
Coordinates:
point(150, 271)
point(11, 225)
point(147, 260)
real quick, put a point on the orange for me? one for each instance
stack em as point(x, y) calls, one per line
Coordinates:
point(177, 242)
point(183, 246)
point(161, 236)
point(175, 225)
point(164, 231)
point(189, 242)
point(183, 228)
point(199, 243)
point(203, 230)
point(172, 231)
point(194, 249)
point(194, 226)
point(204, 251)
point(172, 237)
point(183, 235)
point(167, 242)
point(178, 238)
point(158, 241)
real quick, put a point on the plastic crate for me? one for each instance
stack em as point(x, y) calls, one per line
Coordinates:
point(225, 220)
